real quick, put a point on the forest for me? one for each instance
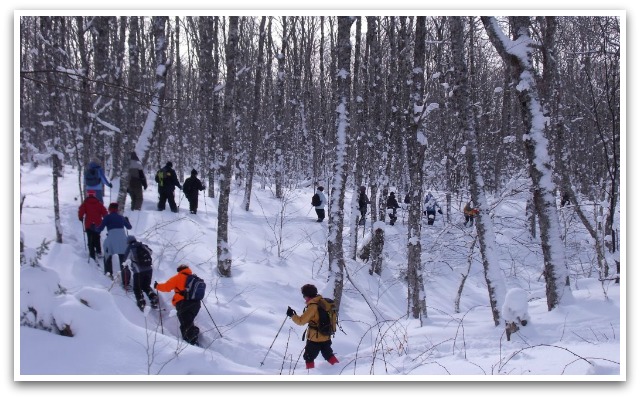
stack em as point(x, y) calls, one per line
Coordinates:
point(464, 105)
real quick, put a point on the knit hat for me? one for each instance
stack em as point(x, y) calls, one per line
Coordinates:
point(181, 268)
point(113, 206)
point(309, 291)
point(194, 172)
point(320, 188)
point(134, 156)
point(91, 193)
point(170, 164)
point(131, 239)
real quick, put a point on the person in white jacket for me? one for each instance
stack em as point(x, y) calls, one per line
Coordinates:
point(323, 202)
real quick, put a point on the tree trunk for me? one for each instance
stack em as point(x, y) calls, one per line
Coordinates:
point(223, 246)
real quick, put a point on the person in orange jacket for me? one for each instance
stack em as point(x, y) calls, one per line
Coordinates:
point(187, 309)
point(316, 342)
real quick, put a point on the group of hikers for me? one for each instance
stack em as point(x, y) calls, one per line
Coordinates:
point(134, 258)
point(431, 206)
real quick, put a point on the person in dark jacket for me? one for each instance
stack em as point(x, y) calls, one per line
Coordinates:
point(316, 342)
point(187, 309)
point(137, 182)
point(91, 213)
point(190, 188)
point(116, 241)
point(392, 203)
point(167, 182)
point(142, 274)
point(363, 201)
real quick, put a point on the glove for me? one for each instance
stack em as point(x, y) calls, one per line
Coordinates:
point(290, 312)
point(80, 219)
point(127, 219)
point(145, 187)
point(109, 185)
point(155, 284)
point(440, 211)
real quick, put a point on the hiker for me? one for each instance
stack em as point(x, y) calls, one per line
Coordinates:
point(91, 213)
point(187, 309)
point(392, 203)
point(316, 342)
point(470, 213)
point(320, 206)
point(363, 200)
point(431, 205)
point(167, 182)
point(190, 188)
point(137, 182)
point(94, 178)
point(138, 259)
point(116, 241)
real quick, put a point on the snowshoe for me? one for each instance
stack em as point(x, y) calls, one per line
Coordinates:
point(153, 301)
point(141, 303)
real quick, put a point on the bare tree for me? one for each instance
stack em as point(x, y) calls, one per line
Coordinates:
point(484, 226)
point(518, 53)
point(226, 172)
point(340, 169)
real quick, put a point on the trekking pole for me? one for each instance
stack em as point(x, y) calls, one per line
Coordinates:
point(204, 195)
point(274, 340)
point(214, 323)
point(160, 312)
point(84, 238)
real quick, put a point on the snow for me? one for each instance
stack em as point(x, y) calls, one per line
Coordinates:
point(113, 340)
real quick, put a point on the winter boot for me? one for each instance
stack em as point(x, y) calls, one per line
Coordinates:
point(141, 304)
point(332, 360)
point(153, 299)
point(310, 365)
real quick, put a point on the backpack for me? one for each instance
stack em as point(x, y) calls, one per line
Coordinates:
point(143, 256)
point(160, 177)
point(315, 200)
point(328, 317)
point(91, 175)
point(194, 288)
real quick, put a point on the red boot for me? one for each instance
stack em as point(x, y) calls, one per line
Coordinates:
point(332, 360)
point(310, 365)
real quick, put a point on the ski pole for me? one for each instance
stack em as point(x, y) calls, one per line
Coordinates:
point(159, 311)
point(274, 340)
point(204, 195)
point(84, 238)
point(214, 323)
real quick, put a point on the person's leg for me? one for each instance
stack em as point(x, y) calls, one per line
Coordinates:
point(311, 351)
point(91, 243)
point(172, 202)
point(137, 291)
point(162, 200)
point(327, 352)
point(108, 269)
point(187, 312)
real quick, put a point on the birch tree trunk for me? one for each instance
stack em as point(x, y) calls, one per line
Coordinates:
point(340, 170)
point(255, 126)
point(416, 146)
point(518, 53)
point(484, 225)
point(223, 247)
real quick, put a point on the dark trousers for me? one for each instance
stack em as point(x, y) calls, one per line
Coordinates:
point(164, 197)
point(193, 202)
point(312, 349)
point(142, 283)
point(392, 216)
point(320, 213)
point(187, 312)
point(431, 217)
point(108, 268)
point(136, 199)
point(93, 242)
point(468, 219)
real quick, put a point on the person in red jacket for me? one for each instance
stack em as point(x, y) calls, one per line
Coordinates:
point(91, 213)
point(187, 310)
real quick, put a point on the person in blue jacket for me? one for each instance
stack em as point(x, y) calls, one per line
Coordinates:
point(116, 241)
point(94, 179)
